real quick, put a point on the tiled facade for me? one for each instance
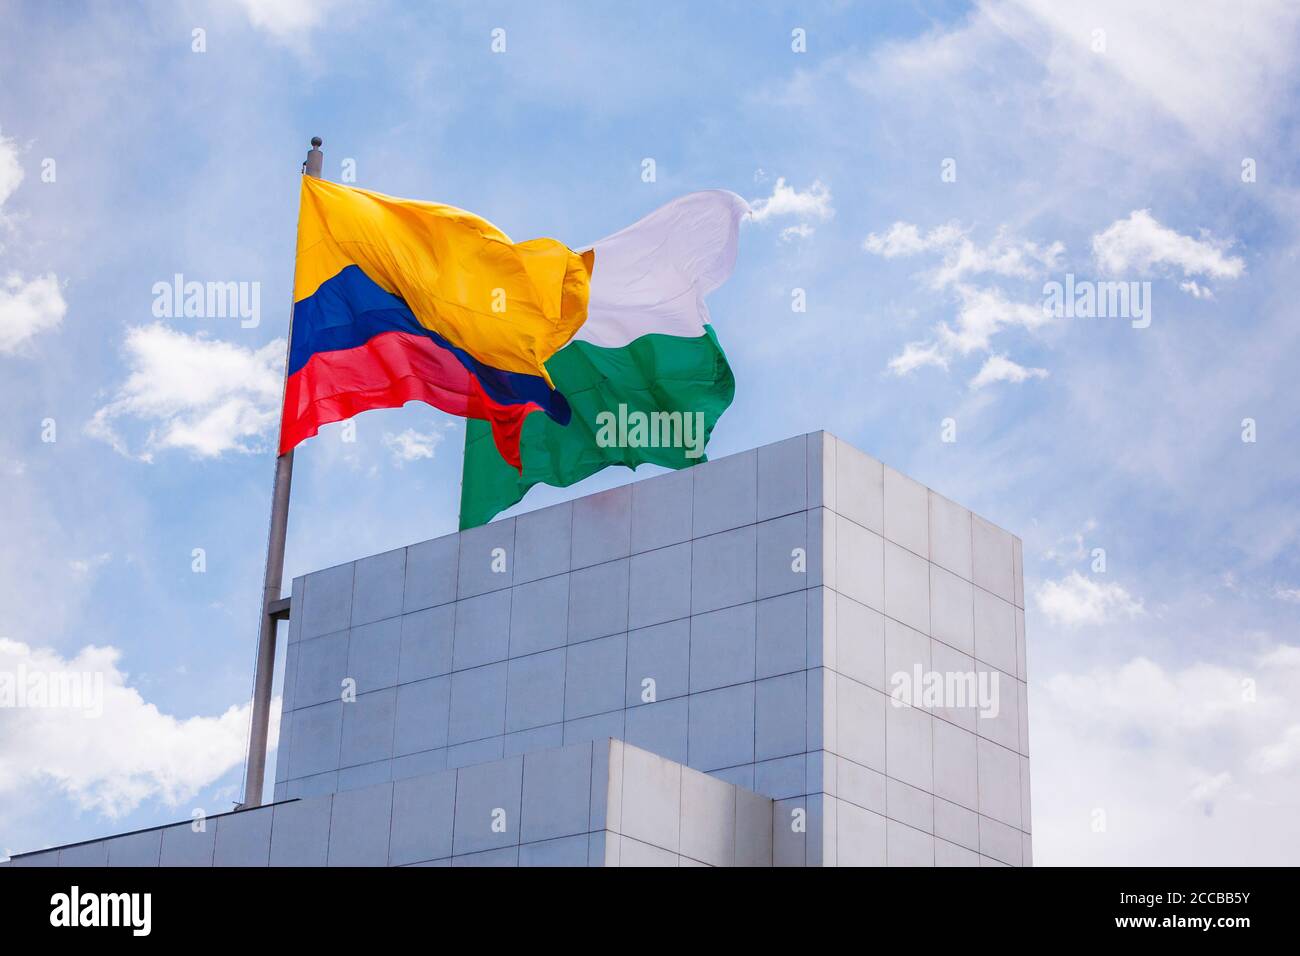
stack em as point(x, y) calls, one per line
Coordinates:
point(913, 579)
point(768, 670)
point(746, 618)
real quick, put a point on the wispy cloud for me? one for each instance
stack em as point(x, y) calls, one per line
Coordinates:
point(982, 314)
point(1141, 244)
point(1071, 547)
point(982, 311)
point(1076, 601)
point(811, 205)
point(1283, 754)
point(999, 368)
point(412, 445)
point(1004, 255)
point(1106, 66)
point(86, 565)
point(906, 239)
point(28, 308)
point(11, 172)
point(917, 355)
point(287, 19)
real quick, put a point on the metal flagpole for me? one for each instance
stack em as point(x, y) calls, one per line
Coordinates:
point(274, 608)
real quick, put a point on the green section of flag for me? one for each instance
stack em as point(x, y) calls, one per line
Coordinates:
point(652, 374)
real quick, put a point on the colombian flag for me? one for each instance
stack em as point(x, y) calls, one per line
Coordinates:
point(397, 300)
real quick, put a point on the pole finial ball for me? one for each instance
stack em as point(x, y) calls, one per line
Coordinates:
point(316, 141)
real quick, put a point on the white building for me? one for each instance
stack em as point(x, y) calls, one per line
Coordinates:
point(705, 667)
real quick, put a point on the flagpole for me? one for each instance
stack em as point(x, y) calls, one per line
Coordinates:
point(272, 612)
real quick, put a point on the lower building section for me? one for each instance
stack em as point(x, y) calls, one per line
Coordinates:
point(600, 803)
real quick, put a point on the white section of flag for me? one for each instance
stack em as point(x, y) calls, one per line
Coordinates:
point(653, 275)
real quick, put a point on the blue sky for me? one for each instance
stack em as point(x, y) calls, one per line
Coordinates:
point(1090, 139)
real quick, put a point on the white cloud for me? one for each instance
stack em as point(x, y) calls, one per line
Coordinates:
point(11, 171)
point(786, 201)
point(1143, 693)
point(1281, 657)
point(412, 445)
point(801, 231)
point(905, 239)
point(285, 19)
point(1077, 549)
point(27, 309)
point(1141, 244)
point(1020, 259)
point(982, 314)
point(84, 566)
point(1287, 594)
point(1078, 600)
point(999, 368)
point(917, 355)
point(1281, 755)
point(1184, 764)
point(112, 757)
point(1207, 789)
point(1004, 255)
point(1196, 290)
point(1168, 66)
point(1175, 58)
point(206, 396)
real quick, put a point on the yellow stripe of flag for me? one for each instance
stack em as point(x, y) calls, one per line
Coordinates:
point(510, 305)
